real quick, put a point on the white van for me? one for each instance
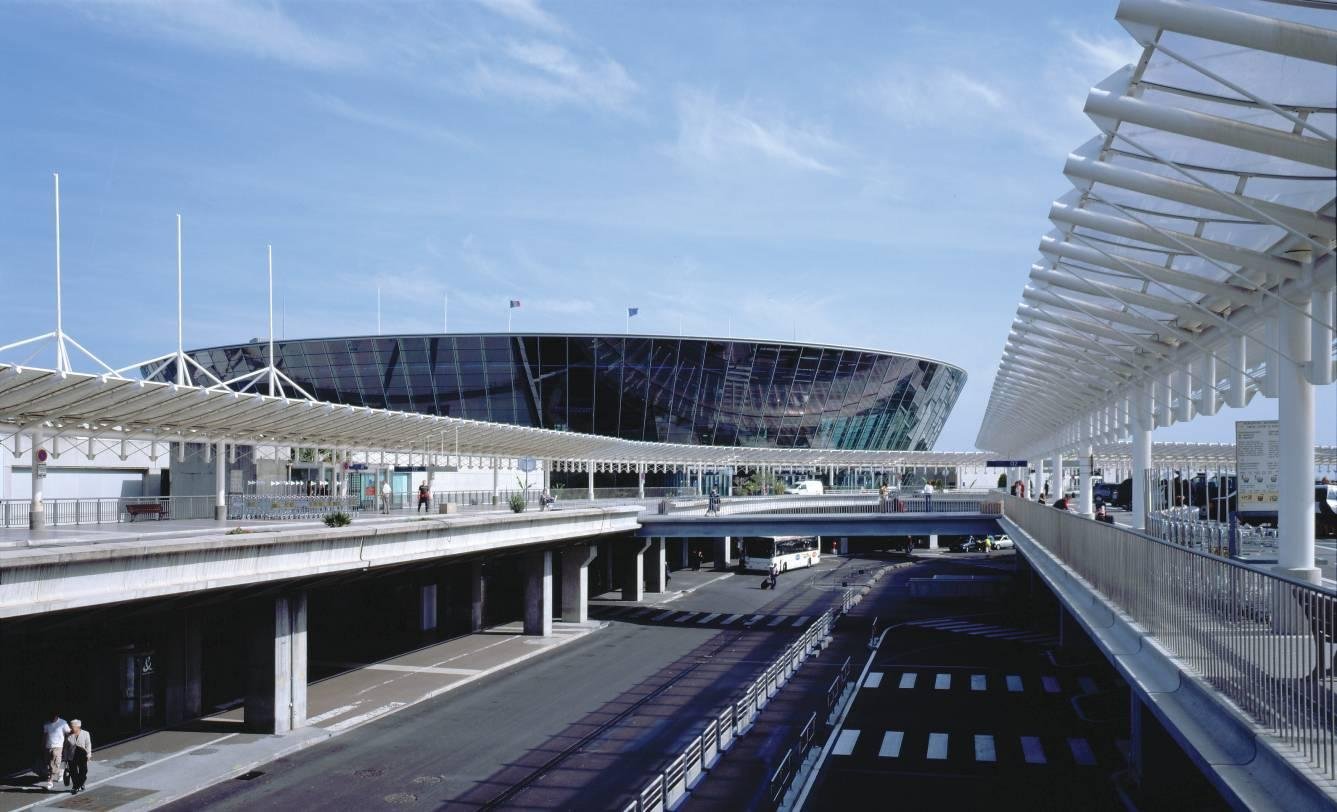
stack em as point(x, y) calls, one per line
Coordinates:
point(808, 487)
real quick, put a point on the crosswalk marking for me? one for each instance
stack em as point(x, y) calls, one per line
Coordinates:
point(686, 617)
point(663, 615)
point(639, 612)
point(1032, 749)
point(891, 744)
point(937, 746)
point(1050, 683)
point(977, 682)
point(1087, 685)
point(908, 680)
point(845, 743)
point(709, 618)
point(984, 748)
point(802, 620)
point(942, 682)
point(991, 631)
point(1081, 752)
point(873, 680)
point(1014, 683)
point(729, 619)
point(752, 620)
point(778, 620)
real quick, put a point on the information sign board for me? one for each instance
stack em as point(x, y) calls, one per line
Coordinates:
point(1257, 464)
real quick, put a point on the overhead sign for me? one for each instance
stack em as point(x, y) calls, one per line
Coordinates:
point(1257, 464)
point(1005, 464)
point(357, 466)
point(528, 464)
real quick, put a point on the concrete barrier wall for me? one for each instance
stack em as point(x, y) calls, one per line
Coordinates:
point(34, 581)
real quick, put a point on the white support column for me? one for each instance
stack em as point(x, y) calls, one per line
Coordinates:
point(1209, 402)
point(1323, 309)
point(496, 464)
point(220, 482)
point(1084, 499)
point(1236, 351)
point(1295, 412)
point(633, 577)
point(656, 566)
point(36, 507)
point(277, 665)
point(538, 593)
point(590, 480)
point(576, 582)
point(1140, 414)
point(1056, 477)
point(640, 481)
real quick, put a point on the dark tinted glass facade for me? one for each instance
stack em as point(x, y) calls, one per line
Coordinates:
point(653, 388)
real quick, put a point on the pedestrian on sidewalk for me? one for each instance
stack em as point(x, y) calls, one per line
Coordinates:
point(78, 752)
point(668, 578)
point(775, 574)
point(53, 740)
point(696, 560)
point(386, 493)
point(882, 497)
point(424, 498)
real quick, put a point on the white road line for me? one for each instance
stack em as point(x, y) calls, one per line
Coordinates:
point(978, 682)
point(421, 669)
point(845, 744)
point(729, 619)
point(686, 617)
point(1033, 750)
point(663, 615)
point(891, 744)
point(802, 620)
point(984, 748)
point(778, 620)
point(330, 714)
point(1087, 685)
point(709, 618)
point(908, 680)
point(752, 620)
point(1081, 752)
point(1014, 683)
point(353, 721)
point(1050, 683)
point(942, 682)
point(873, 680)
point(937, 746)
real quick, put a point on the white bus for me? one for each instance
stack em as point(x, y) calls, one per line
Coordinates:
point(760, 553)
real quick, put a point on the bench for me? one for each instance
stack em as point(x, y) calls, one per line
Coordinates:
point(144, 509)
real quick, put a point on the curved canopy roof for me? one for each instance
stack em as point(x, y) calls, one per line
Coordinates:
point(1205, 205)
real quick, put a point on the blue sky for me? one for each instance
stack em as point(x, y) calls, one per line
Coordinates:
point(875, 174)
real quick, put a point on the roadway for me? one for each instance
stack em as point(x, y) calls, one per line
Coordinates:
point(581, 727)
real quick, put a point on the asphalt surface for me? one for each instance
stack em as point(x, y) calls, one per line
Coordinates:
point(578, 729)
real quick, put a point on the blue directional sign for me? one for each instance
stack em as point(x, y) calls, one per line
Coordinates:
point(1005, 464)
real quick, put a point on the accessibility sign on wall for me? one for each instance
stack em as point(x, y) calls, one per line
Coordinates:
point(1257, 464)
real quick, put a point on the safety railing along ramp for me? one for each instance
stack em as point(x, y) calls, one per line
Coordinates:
point(1236, 661)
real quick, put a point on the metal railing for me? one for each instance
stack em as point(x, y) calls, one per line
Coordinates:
point(66, 512)
point(842, 503)
point(668, 787)
point(1265, 642)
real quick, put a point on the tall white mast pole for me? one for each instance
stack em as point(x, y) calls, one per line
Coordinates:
point(180, 337)
point(378, 310)
point(445, 312)
point(269, 250)
point(62, 358)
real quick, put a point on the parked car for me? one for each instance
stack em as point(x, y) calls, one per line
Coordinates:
point(1003, 542)
point(809, 487)
point(970, 545)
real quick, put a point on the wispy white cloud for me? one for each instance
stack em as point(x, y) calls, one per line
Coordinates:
point(342, 108)
point(550, 74)
point(260, 29)
point(1103, 54)
point(713, 133)
point(526, 12)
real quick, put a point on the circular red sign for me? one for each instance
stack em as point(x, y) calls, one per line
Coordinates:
point(41, 455)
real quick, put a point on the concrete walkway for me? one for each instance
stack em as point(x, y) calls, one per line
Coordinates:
point(154, 769)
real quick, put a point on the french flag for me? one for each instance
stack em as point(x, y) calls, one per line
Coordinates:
point(515, 303)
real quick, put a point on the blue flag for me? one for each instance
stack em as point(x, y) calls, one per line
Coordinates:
point(515, 303)
point(631, 311)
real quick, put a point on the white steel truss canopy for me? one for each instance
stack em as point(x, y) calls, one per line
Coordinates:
point(1203, 209)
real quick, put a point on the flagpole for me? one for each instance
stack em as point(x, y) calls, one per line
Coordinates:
point(378, 310)
point(445, 312)
point(508, 316)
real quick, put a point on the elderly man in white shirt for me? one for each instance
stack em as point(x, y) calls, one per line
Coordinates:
point(53, 739)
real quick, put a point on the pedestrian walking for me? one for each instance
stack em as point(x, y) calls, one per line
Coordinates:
point(882, 491)
point(775, 574)
point(696, 560)
point(713, 504)
point(386, 493)
point(77, 753)
point(53, 741)
point(424, 498)
point(668, 577)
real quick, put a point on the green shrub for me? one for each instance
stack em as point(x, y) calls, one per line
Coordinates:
point(517, 503)
point(338, 519)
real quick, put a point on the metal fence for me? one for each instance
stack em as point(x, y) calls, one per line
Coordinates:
point(843, 503)
point(65, 512)
point(667, 788)
point(1264, 641)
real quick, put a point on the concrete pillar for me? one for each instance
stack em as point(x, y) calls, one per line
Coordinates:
point(1084, 480)
point(633, 575)
point(538, 593)
point(427, 607)
point(496, 465)
point(723, 553)
point(576, 582)
point(655, 565)
point(1056, 477)
point(181, 661)
point(640, 481)
point(1141, 473)
point(933, 541)
point(680, 553)
point(590, 481)
point(477, 596)
point(606, 555)
point(220, 482)
point(36, 507)
point(276, 678)
point(844, 545)
point(1295, 480)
